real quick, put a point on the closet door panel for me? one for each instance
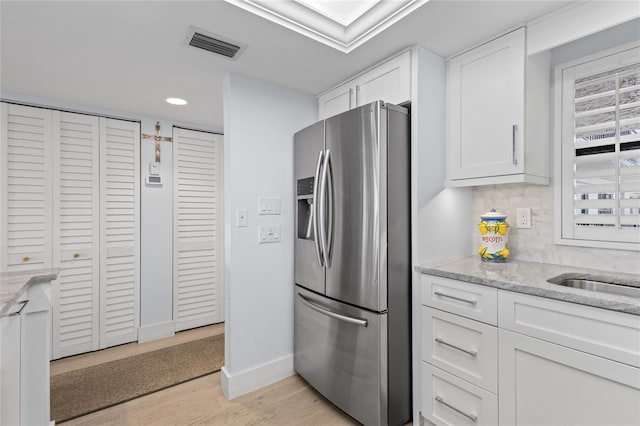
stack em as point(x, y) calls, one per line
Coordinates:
point(76, 174)
point(198, 294)
point(119, 231)
point(25, 187)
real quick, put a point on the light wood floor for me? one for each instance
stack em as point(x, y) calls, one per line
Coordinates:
point(201, 402)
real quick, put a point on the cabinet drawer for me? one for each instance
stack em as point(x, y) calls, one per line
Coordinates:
point(466, 348)
point(609, 334)
point(469, 300)
point(448, 400)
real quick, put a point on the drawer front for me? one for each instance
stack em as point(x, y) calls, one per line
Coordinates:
point(609, 334)
point(448, 400)
point(469, 300)
point(463, 347)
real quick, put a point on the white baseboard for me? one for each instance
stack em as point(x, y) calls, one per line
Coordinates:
point(156, 331)
point(242, 383)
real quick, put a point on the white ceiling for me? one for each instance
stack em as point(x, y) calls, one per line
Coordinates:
point(129, 56)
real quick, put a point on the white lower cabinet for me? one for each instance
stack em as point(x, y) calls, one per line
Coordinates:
point(542, 383)
point(459, 353)
point(448, 400)
point(10, 368)
point(548, 362)
point(466, 348)
point(24, 359)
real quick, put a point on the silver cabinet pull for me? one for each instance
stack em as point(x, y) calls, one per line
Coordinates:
point(471, 302)
point(314, 215)
point(357, 93)
point(351, 105)
point(467, 351)
point(351, 320)
point(514, 129)
point(471, 417)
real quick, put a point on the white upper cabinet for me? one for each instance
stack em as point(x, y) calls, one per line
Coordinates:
point(389, 82)
point(497, 114)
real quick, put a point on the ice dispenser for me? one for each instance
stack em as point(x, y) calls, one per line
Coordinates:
point(305, 208)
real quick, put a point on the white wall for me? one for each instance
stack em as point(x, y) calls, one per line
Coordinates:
point(260, 120)
point(156, 226)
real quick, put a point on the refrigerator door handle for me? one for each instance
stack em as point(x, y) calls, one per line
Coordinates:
point(351, 320)
point(329, 195)
point(314, 216)
point(323, 208)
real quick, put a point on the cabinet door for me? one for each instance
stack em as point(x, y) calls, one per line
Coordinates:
point(450, 401)
point(485, 110)
point(10, 369)
point(34, 356)
point(198, 293)
point(119, 231)
point(390, 82)
point(25, 188)
point(542, 384)
point(338, 100)
point(76, 214)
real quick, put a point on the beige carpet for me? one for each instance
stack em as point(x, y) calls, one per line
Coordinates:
point(93, 388)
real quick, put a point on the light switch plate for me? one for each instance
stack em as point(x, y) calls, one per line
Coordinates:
point(268, 205)
point(242, 218)
point(269, 234)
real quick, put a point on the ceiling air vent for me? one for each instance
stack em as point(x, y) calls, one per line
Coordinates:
point(214, 43)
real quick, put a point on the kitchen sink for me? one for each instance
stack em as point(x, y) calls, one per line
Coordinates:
point(600, 284)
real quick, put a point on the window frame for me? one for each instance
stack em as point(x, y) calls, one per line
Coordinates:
point(563, 189)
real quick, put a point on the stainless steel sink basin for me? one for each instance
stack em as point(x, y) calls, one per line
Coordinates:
point(598, 284)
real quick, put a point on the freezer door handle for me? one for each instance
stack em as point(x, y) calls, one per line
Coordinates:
point(316, 209)
point(321, 309)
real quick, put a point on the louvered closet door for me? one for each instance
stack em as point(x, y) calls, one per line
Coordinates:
point(25, 186)
point(119, 231)
point(76, 215)
point(198, 290)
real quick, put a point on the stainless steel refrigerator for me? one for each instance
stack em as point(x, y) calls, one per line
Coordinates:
point(352, 296)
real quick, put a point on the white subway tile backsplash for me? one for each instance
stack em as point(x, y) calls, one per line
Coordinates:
point(536, 244)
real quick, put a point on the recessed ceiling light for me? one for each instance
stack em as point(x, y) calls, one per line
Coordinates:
point(176, 101)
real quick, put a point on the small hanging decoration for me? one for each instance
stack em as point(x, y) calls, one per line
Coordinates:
point(157, 138)
point(493, 237)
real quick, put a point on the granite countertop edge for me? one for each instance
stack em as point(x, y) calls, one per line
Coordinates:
point(15, 284)
point(520, 284)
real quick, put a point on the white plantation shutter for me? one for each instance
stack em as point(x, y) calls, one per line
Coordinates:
point(198, 289)
point(601, 149)
point(119, 231)
point(25, 182)
point(75, 294)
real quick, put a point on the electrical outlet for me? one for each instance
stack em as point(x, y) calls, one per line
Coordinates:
point(523, 217)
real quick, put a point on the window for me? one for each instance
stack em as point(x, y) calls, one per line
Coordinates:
point(599, 104)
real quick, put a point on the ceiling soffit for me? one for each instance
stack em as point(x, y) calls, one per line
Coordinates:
point(343, 25)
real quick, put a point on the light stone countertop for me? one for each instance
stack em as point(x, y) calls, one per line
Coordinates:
point(531, 278)
point(14, 284)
